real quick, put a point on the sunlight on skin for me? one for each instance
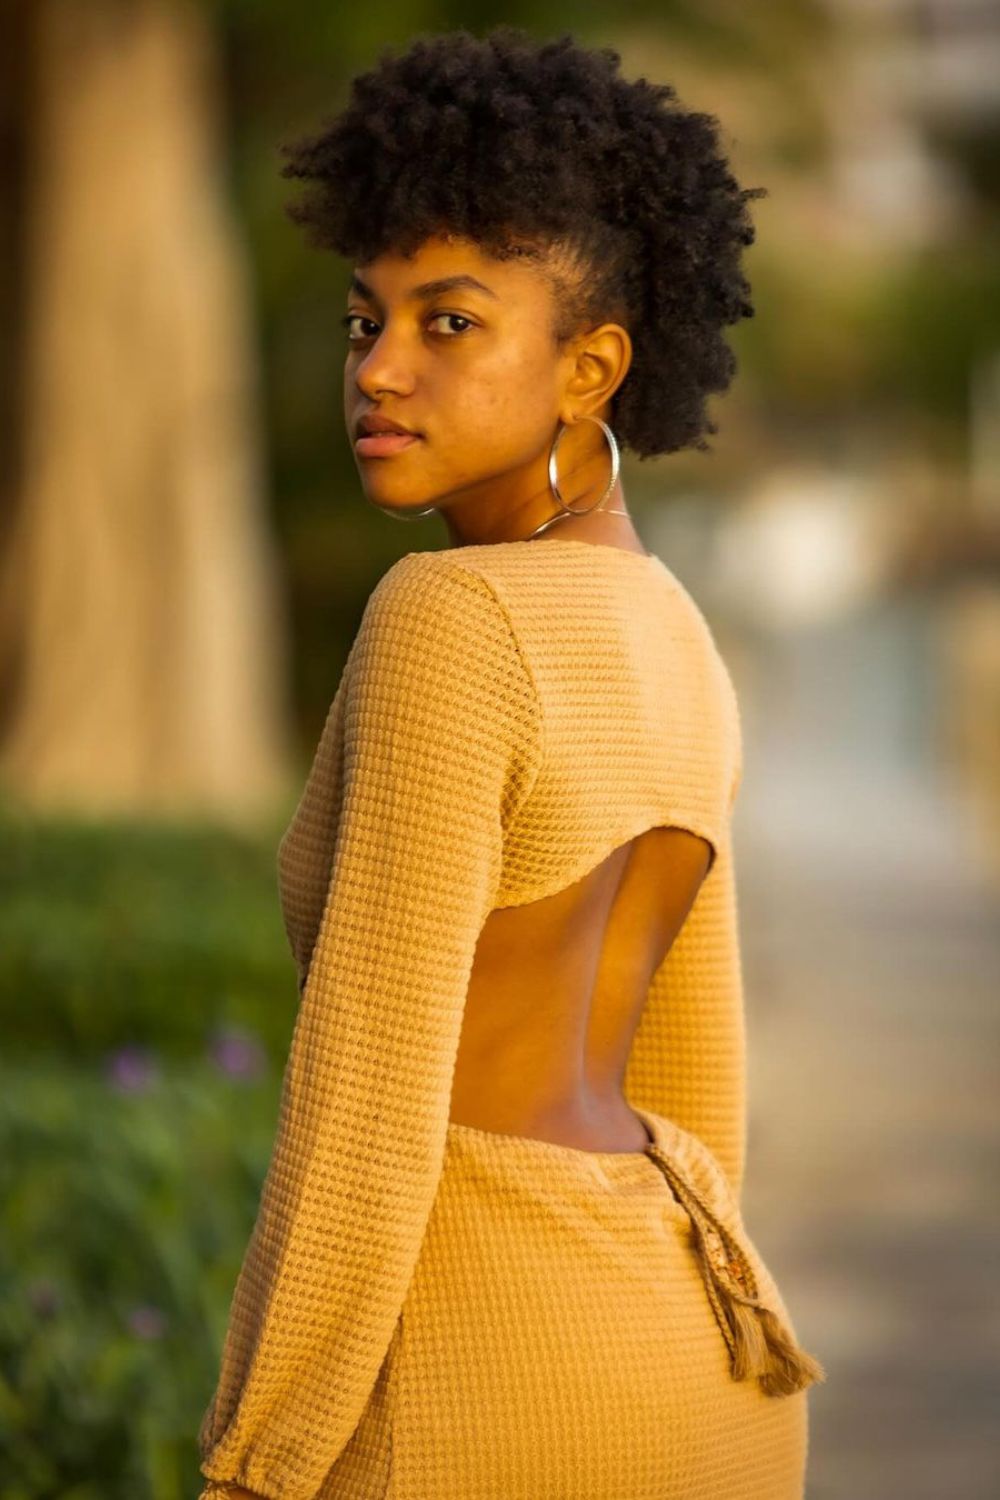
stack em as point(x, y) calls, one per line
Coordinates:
point(473, 370)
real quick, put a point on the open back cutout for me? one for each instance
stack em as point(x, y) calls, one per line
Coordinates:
point(559, 985)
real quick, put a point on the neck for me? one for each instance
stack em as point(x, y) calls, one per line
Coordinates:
point(525, 511)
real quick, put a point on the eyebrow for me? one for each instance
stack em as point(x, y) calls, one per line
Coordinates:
point(428, 289)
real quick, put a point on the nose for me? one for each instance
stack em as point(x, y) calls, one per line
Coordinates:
point(387, 366)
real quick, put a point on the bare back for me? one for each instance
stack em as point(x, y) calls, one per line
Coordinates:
point(557, 991)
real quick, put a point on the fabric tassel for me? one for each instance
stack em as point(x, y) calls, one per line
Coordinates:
point(759, 1344)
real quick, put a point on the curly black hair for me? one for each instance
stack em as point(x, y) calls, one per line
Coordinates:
point(525, 147)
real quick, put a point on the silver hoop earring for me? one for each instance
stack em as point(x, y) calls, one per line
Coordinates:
point(615, 464)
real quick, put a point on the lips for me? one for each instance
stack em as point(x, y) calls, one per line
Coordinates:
point(384, 444)
point(380, 437)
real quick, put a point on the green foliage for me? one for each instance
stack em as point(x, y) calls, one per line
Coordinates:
point(148, 998)
point(131, 934)
point(940, 317)
point(126, 1210)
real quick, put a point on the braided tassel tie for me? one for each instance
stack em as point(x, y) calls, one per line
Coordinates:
point(759, 1344)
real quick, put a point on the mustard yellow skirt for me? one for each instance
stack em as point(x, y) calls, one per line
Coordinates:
point(562, 1340)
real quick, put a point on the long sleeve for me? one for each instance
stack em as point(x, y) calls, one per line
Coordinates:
point(440, 728)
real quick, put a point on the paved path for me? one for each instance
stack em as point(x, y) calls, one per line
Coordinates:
point(872, 958)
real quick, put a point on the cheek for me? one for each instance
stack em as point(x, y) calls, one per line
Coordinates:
point(505, 400)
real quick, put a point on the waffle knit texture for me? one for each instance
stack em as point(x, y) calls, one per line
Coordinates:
point(556, 1342)
point(508, 715)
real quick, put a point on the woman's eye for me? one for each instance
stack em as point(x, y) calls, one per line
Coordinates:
point(350, 318)
point(454, 318)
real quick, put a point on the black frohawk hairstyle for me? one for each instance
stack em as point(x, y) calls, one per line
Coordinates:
point(524, 147)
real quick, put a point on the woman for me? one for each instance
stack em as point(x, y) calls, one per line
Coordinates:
point(499, 1251)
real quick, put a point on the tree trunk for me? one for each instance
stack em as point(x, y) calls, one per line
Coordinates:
point(143, 630)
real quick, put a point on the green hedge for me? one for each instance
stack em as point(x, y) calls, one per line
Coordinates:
point(127, 1202)
point(133, 933)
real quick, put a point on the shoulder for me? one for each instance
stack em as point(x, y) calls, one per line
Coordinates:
point(423, 580)
point(437, 671)
point(438, 605)
point(443, 628)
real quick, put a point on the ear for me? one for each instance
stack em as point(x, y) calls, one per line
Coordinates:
point(600, 362)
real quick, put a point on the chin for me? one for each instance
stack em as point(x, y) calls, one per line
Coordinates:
point(404, 498)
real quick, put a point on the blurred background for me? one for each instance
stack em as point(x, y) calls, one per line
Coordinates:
point(185, 554)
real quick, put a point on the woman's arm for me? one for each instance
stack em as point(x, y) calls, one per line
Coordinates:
point(440, 746)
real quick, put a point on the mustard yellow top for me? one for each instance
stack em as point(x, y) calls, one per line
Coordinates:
point(507, 716)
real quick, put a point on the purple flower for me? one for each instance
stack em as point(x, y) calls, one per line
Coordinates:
point(44, 1297)
point(146, 1321)
point(237, 1052)
point(132, 1069)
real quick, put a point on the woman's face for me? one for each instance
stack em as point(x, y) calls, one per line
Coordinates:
point(458, 348)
